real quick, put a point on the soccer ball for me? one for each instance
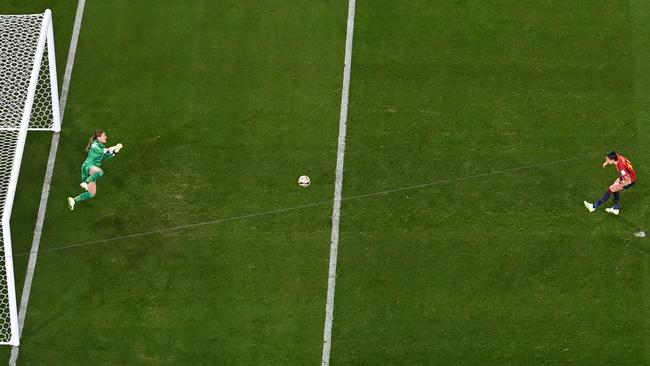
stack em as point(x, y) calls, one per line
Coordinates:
point(304, 181)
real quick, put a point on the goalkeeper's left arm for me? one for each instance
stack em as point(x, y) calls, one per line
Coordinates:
point(112, 151)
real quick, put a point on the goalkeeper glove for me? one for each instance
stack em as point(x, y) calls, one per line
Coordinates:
point(117, 148)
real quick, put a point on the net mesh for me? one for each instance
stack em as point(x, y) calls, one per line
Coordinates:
point(19, 36)
point(8, 142)
point(18, 42)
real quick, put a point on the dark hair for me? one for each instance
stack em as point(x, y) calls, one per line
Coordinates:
point(612, 155)
point(94, 137)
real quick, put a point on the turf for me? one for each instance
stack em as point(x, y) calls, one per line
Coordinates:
point(507, 268)
point(500, 113)
point(212, 103)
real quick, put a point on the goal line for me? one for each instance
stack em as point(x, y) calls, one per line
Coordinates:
point(30, 102)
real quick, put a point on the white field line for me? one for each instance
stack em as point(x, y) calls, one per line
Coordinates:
point(31, 266)
point(293, 208)
point(338, 188)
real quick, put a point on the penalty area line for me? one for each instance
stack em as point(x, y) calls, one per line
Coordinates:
point(338, 188)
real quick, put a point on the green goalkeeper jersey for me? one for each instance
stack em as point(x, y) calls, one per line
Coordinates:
point(97, 153)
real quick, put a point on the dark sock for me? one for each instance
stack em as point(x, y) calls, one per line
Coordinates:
point(602, 199)
point(617, 200)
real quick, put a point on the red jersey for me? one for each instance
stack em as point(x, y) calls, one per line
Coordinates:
point(625, 168)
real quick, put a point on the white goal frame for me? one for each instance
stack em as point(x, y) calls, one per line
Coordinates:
point(44, 45)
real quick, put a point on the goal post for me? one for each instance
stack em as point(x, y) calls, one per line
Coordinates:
point(29, 101)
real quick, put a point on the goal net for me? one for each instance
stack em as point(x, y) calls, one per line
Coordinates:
point(28, 101)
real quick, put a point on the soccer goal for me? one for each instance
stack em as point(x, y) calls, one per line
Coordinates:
point(29, 101)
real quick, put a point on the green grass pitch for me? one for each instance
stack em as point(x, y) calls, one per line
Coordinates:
point(501, 111)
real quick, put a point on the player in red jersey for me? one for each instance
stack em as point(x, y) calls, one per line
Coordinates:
point(625, 181)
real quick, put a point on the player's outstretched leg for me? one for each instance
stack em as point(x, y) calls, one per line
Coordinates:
point(603, 199)
point(84, 196)
point(616, 209)
point(92, 190)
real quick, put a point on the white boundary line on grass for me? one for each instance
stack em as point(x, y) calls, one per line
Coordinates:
point(31, 266)
point(338, 188)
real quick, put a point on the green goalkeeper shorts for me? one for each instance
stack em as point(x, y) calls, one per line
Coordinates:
point(85, 171)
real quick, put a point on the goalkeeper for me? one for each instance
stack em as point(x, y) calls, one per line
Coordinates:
point(90, 170)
